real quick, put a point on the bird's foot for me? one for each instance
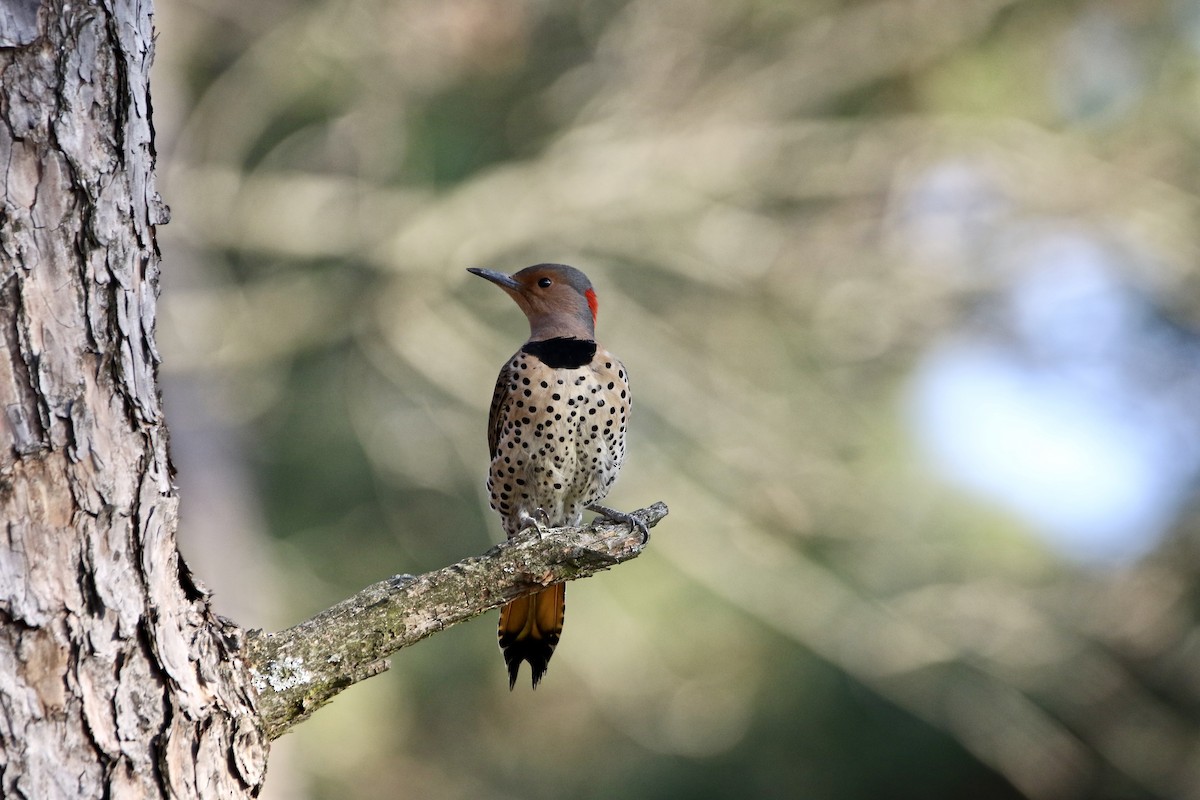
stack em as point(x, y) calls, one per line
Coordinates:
point(635, 523)
point(539, 520)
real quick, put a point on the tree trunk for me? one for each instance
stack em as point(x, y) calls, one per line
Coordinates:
point(116, 679)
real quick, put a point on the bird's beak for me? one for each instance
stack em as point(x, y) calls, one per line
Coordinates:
point(498, 278)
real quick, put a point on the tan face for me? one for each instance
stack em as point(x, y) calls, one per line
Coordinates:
point(548, 292)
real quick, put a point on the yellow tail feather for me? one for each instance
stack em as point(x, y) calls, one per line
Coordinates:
point(530, 627)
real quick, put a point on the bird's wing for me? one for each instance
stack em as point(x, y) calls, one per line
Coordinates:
point(501, 398)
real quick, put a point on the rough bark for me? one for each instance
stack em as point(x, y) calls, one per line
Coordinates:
point(298, 670)
point(116, 680)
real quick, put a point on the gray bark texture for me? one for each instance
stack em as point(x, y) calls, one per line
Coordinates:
point(116, 679)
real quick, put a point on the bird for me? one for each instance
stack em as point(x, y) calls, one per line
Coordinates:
point(556, 437)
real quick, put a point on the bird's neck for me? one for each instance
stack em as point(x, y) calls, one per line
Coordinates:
point(562, 326)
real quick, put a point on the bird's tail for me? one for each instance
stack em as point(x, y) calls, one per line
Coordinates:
point(529, 631)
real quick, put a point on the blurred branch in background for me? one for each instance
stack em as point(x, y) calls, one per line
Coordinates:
point(908, 295)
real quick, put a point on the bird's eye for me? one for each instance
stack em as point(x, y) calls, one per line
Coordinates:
point(544, 283)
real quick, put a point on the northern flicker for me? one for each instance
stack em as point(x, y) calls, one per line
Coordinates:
point(556, 435)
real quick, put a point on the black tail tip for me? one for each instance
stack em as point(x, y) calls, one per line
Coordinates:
point(538, 663)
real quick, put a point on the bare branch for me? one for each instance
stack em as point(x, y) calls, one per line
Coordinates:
point(299, 669)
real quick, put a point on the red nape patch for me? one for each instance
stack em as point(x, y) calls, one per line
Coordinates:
point(593, 304)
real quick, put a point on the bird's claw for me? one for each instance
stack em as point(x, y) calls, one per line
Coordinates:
point(634, 522)
point(539, 520)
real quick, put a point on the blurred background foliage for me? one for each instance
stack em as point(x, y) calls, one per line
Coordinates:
point(909, 293)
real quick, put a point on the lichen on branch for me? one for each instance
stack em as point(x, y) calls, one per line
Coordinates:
point(297, 670)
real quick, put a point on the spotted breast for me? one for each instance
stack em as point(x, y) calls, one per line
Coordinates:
point(557, 435)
